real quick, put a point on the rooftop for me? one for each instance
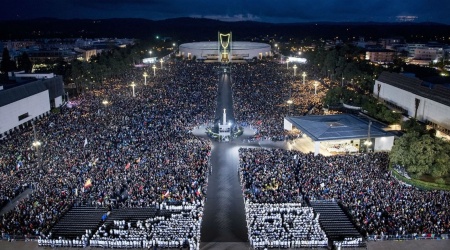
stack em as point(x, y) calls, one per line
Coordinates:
point(437, 92)
point(337, 127)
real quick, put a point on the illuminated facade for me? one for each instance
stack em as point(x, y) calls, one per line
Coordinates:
point(238, 50)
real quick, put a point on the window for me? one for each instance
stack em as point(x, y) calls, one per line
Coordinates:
point(23, 116)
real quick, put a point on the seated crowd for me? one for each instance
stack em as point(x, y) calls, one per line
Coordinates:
point(284, 225)
point(174, 230)
point(378, 203)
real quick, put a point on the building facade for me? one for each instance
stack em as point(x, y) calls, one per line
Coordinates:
point(380, 56)
point(28, 100)
point(427, 102)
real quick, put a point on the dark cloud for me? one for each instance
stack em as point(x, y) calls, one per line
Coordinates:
point(259, 10)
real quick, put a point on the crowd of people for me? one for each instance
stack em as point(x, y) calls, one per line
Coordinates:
point(126, 152)
point(108, 148)
point(283, 225)
point(261, 93)
point(379, 204)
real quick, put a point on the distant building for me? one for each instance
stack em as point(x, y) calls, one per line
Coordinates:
point(427, 102)
point(385, 42)
point(85, 54)
point(21, 44)
point(380, 56)
point(39, 56)
point(424, 54)
point(29, 97)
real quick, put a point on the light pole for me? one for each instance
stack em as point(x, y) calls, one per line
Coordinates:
point(368, 142)
point(304, 75)
point(295, 70)
point(133, 85)
point(105, 102)
point(287, 63)
point(315, 87)
point(161, 61)
point(145, 78)
point(342, 82)
point(36, 143)
point(154, 70)
point(289, 105)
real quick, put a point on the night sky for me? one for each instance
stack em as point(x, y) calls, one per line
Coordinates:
point(275, 11)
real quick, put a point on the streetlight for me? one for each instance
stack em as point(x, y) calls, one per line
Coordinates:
point(342, 82)
point(316, 83)
point(368, 142)
point(161, 61)
point(289, 103)
point(36, 143)
point(105, 102)
point(150, 52)
point(133, 85)
point(154, 70)
point(295, 69)
point(145, 78)
point(304, 75)
point(287, 63)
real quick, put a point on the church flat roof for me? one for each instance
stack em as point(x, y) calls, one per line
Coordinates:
point(337, 127)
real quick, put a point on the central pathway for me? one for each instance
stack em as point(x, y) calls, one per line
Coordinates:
point(224, 98)
point(224, 225)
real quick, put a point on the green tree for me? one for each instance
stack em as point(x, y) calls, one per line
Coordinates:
point(7, 64)
point(333, 96)
point(422, 154)
point(423, 150)
point(24, 63)
point(400, 153)
point(441, 165)
point(412, 125)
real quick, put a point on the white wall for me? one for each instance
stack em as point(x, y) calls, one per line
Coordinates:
point(384, 143)
point(35, 105)
point(428, 109)
point(287, 125)
point(58, 101)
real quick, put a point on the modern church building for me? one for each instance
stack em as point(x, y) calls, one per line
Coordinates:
point(225, 49)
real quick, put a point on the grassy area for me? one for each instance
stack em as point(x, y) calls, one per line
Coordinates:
point(421, 184)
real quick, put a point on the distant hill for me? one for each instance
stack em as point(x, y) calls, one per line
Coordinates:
point(199, 29)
